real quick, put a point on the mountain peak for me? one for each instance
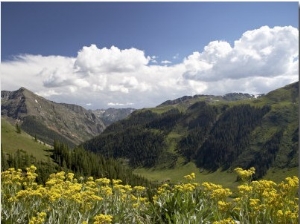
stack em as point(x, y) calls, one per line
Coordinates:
point(71, 124)
point(22, 89)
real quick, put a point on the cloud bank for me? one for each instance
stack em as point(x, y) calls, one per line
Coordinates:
point(260, 61)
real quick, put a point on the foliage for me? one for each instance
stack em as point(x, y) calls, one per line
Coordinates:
point(65, 199)
point(78, 160)
point(199, 119)
point(86, 163)
point(229, 136)
point(18, 129)
point(142, 147)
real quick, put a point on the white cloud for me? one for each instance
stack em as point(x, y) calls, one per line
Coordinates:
point(153, 59)
point(259, 61)
point(119, 104)
point(47, 93)
point(118, 88)
point(95, 60)
point(166, 62)
point(265, 52)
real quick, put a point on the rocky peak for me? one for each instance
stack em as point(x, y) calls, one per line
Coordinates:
point(71, 121)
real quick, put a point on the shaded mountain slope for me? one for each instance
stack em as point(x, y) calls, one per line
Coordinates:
point(211, 131)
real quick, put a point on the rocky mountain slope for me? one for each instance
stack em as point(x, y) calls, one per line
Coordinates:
point(111, 115)
point(212, 132)
point(48, 120)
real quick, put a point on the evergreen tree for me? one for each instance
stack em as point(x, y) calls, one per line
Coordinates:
point(18, 129)
point(4, 163)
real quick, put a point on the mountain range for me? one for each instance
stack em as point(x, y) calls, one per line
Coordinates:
point(111, 115)
point(213, 132)
point(49, 121)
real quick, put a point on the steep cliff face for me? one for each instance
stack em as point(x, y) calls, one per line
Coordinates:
point(13, 104)
point(49, 120)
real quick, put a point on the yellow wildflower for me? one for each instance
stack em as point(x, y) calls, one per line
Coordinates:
point(190, 177)
point(139, 188)
point(245, 189)
point(254, 203)
point(223, 206)
point(116, 181)
point(225, 221)
point(70, 176)
point(40, 219)
point(104, 181)
point(103, 219)
point(245, 175)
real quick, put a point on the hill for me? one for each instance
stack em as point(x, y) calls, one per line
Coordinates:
point(11, 142)
point(212, 132)
point(20, 150)
point(48, 120)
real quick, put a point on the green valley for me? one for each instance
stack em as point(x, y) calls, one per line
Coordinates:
point(205, 134)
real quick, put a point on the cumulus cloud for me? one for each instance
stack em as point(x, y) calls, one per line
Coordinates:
point(94, 60)
point(264, 52)
point(259, 61)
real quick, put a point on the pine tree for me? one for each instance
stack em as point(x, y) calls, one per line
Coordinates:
point(4, 163)
point(18, 129)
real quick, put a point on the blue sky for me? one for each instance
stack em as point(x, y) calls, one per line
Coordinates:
point(139, 54)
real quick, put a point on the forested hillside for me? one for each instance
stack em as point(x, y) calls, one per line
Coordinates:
point(20, 150)
point(214, 133)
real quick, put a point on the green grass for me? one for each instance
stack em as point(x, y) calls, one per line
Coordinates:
point(227, 179)
point(11, 141)
point(161, 109)
point(172, 140)
point(278, 175)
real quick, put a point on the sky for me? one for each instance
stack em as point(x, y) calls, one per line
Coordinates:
point(140, 54)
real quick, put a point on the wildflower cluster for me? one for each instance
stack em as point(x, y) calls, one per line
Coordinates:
point(65, 199)
point(245, 175)
point(264, 201)
point(217, 200)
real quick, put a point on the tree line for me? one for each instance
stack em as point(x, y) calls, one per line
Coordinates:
point(78, 161)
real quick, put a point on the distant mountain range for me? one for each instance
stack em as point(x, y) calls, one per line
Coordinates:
point(111, 115)
point(47, 120)
point(214, 132)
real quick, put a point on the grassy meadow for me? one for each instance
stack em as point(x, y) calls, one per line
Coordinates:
point(11, 141)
